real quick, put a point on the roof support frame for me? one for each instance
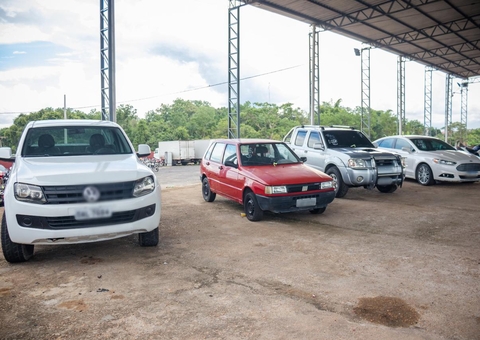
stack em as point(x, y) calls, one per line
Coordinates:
point(400, 93)
point(314, 71)
point(427, 97)
point(233, 69)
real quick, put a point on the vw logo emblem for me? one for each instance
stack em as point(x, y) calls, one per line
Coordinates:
point(91, 194)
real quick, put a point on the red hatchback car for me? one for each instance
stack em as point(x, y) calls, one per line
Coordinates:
point(263, 175)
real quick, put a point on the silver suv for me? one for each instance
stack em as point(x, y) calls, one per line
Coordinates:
point(348, 156)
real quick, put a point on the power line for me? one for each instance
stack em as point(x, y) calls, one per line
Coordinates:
point(171, 93)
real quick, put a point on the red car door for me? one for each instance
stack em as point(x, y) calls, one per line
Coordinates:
point(229, 179)
point(213, 166)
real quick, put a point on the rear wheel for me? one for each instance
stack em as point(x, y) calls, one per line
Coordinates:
point(148, 239)
point(251, 207)
point(340, 187)
point(14, 252)
point(208, 195)
point(318, 210)
point(424, 175)
point(387, 189)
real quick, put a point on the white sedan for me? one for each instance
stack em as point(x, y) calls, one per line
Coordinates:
point(430, 159)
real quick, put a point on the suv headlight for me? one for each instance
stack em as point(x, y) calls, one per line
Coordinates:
point(443, 161)
point(269, 190)
point(144, 186)
point(29, 193)
point(357, 163)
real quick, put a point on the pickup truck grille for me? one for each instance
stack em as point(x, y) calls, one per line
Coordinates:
point(74, 193)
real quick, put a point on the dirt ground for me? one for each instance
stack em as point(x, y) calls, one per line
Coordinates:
point(373, 266)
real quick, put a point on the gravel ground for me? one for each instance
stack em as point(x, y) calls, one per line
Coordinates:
point(373, 266)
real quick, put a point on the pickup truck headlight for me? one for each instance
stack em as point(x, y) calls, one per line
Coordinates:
point(443, 161)
point(275, 190)
point(357, 163)
point(144, 186)
point(29, 193)
point(326, 185)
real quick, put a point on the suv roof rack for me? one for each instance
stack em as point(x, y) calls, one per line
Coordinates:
point(330, 126)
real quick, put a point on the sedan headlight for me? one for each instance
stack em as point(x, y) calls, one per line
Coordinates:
point(144, 186)
point(357, 163)
point(269, 190)
point(403, 160)
point(443, 161)
point(326, 185)
point(29, 193)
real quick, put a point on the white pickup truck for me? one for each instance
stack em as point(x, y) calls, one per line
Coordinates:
point(77, 181)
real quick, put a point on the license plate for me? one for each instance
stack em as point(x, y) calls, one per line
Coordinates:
point(92, 213)
point(306, 202)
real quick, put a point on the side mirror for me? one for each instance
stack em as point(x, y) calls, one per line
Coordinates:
point(6, 154)
point(375, 144)
point(318, 146)
point(303, 159)
point(143, 150)
point(231, 164)
point(407, 149)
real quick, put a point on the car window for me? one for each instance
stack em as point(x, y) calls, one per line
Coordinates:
point(313, 138)
point(402, 144)
point(230, 154)
point(347, 139)
point(74, 141)
point(299, 139)
point(209, 151)
point(288, 137)
point(430, 144)
point(386, 143)
point(267, 154)
point(217, 152)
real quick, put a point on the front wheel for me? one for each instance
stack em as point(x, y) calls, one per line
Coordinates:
point(208, 195)
point(387, 189)
point(340, 187)
point(424, 175)
point(251, 207)
point(148, 239)
point(14, 252)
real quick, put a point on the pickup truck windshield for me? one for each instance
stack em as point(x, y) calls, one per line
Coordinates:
point(74, 141)
point(347, 139)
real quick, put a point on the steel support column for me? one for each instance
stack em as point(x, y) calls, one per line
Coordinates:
point(365, 70)
point(401, 93)
point(107, 60)
point(427, 109)
point(448, 103)
point(464, 108)
point(234, 69)
point(314, 71)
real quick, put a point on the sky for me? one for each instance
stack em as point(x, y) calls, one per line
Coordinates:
point(50, 50)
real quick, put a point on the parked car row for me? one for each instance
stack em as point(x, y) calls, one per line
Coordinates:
point(268, 175)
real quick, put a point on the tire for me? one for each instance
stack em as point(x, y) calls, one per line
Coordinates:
point(318, 211)
point(424, 175)
point(149, 239)
point(252, 209)
point(340, 188)
point(387, 189)
point(208, 195)
point(14, 252)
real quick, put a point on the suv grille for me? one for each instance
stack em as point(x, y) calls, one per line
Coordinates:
point(74, 193)
point(469, 167)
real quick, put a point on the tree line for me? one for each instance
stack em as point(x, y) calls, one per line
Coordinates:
point(194, 119)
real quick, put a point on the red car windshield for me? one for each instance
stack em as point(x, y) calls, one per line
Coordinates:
point(267, 154)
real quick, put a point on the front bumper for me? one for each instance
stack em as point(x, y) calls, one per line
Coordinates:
point(55, 223)
point(285, 204)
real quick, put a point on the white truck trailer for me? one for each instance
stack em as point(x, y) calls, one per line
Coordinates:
point(182, 152)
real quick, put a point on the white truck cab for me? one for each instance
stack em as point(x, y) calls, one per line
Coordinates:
point(77, 181)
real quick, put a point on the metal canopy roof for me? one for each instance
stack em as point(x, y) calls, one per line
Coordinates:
point(443, 34)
